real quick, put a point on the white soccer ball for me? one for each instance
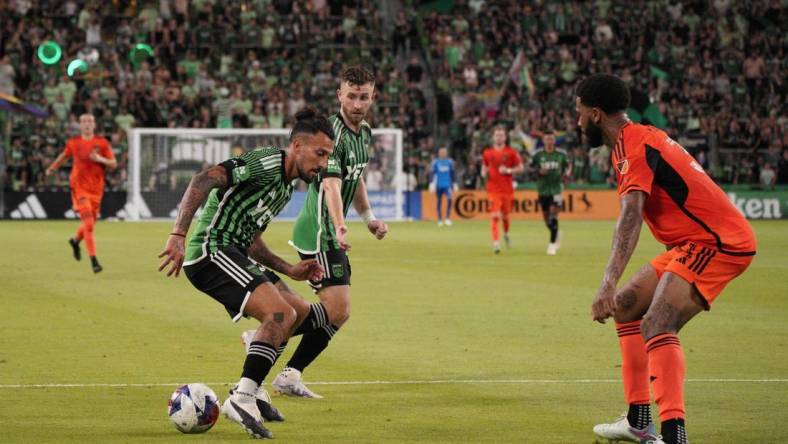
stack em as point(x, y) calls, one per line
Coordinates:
point(193, 408)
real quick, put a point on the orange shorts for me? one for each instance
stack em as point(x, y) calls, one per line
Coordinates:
point(703, 266)
point(500, 202)
point(85, 202)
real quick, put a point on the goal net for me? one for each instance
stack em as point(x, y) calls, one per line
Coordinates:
point(163, 161)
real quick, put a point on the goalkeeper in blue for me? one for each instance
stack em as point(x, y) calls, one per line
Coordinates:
point(443, 184)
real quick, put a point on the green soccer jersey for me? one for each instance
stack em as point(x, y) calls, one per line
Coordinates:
point(257, 191)
point(556, 164)
point(313, 229)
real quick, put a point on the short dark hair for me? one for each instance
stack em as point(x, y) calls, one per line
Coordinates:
point(357, 75)
point(308, 121)
point(604, 91)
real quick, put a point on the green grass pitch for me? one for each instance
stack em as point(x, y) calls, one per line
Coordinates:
point(472, 347)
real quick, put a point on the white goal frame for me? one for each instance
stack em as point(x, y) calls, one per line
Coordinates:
point(136, 207)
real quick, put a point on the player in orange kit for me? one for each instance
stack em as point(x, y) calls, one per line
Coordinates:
point(709, 243)
point(499, 162)
point(91, 155)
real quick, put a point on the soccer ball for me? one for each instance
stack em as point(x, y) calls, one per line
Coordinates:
point(193, 408)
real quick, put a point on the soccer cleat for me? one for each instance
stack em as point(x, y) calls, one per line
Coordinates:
point(75, 249)
point(620, 430)
point(552, 249)
point(264, 405)
point(241, 408)
point(496, 247)
point(97, 268)
point(440, 223)
point(448, 222)
point(289, 383)
point(506, 240)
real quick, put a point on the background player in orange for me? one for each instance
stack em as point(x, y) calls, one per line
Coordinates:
point(499, 162)
point(91, 155)
point(708, 241)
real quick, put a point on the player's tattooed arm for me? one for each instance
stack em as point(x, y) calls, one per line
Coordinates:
point(625, 238)
point(626, 235)
point(193, 198)
point(196, 194)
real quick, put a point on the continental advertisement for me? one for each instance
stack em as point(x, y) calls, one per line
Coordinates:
point(577, 205)
point(595, 204)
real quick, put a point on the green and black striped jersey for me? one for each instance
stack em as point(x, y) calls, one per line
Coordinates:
point(313, 229)
point(257, 191)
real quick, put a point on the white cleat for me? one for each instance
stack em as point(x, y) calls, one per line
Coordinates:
point(289, 383)
point(242, 408)
point(246, 338)
point(496, 247)
point(552, 249)
point(448, 222)
point(506, 240)
point(440, 223)
point(620, 430)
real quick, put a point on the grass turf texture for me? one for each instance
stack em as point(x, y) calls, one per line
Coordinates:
point(429, 304)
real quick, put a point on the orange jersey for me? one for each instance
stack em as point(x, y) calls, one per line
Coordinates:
point(683, 203)
point(87, 176)
point(495, 158)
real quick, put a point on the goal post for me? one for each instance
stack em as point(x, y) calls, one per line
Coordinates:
point(162, 161)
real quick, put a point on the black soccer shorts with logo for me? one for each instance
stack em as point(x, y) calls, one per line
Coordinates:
point(548, 200)
point(230, 277)
point(336, 265)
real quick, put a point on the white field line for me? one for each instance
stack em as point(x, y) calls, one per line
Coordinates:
point(417, 382)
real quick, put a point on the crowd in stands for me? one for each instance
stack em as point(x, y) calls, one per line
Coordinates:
point(713, 73)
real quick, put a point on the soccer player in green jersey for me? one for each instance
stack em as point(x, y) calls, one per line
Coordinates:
point(225, 251)
point(320, 231)
point(553, 168)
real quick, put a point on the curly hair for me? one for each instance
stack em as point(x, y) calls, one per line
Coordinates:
point(604, 91)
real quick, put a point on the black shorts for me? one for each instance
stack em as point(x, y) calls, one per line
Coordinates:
point(336, 265)
point(230, 277)
point(548, 200)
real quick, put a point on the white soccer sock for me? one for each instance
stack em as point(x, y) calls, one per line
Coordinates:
point(248, 386)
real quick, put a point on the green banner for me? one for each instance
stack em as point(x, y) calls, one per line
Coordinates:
point(761, 204)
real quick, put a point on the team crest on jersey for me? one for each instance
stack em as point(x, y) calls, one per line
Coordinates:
point(240, 174)
point(337, 270)
point(623, 166)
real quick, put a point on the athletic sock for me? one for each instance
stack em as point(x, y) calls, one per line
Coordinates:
point(634, 371)
point(494, 228)
point(312, 344)
point(666, 369)
point(553, 226)
point(506, 225)
point(94, 261)
point(259, 360)
point(317, 318)
point(673, 431)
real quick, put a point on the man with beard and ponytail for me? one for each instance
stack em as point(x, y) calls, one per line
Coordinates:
point(708, 241)
point(225, 252)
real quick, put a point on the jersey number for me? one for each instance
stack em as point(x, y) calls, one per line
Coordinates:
point(354, 172)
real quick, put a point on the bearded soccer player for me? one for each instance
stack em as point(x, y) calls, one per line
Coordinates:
point(222, 258)
point(499, 163)
point(91, 155)
point(708, 241)
point(320, 231)
point(553, 167)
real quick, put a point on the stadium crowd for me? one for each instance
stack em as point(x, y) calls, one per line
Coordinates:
point(712, 73)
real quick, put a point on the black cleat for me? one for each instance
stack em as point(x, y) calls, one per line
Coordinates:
point(75, 249)
point(95, 265)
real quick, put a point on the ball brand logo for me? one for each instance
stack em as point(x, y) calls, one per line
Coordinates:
point(467, 205)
